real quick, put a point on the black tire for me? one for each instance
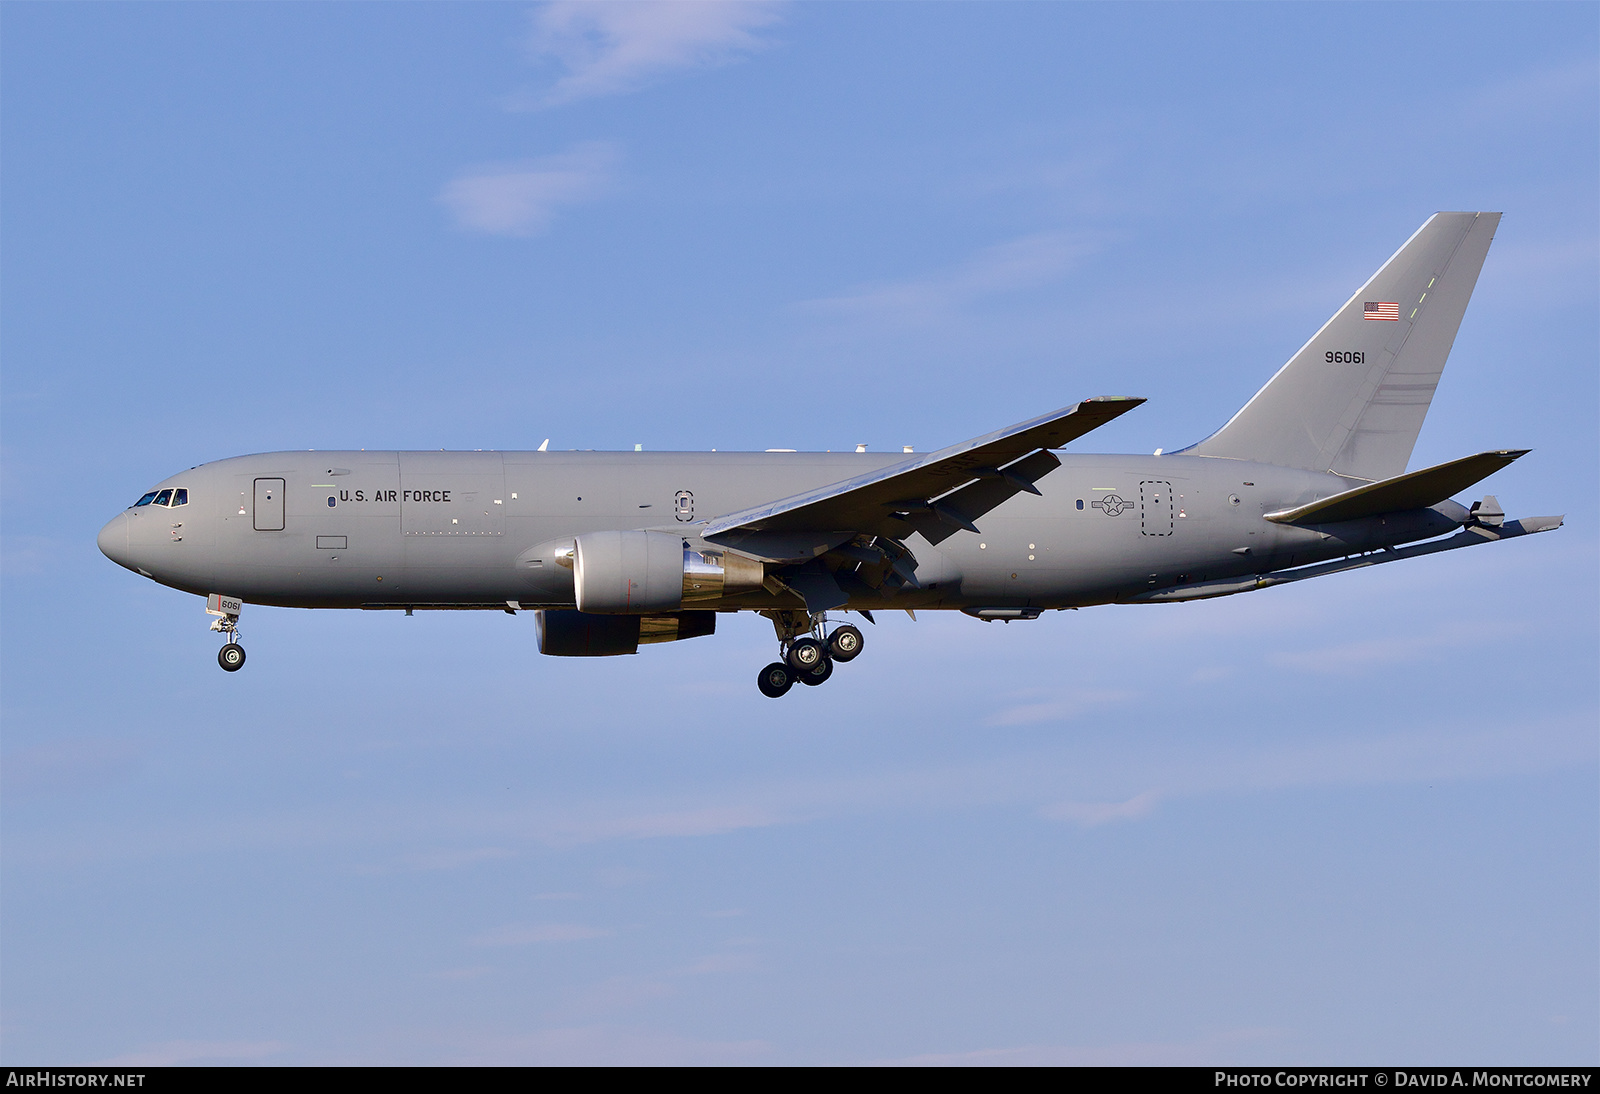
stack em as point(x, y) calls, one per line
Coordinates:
point(845, 643)
point(818, 675)
point(806, 654)
point(775, 680)
point(231, 657)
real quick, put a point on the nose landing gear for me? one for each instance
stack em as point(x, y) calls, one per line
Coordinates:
point(808, 651)
point(226, 610)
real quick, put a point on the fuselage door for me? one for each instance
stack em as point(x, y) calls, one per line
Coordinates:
point(1155, 508)
point(269, 505)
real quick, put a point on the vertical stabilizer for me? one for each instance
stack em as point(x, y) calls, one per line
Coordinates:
point(1353, 399)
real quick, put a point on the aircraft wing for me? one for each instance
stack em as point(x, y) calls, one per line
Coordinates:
point(931, 490)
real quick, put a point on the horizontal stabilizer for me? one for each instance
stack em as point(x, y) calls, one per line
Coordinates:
point(1416, 490)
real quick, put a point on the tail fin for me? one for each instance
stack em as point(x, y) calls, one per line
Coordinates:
point(1353, 399)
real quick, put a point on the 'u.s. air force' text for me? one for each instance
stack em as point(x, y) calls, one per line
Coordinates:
point(394, 495)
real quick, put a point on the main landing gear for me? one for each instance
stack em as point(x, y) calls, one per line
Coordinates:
point(808, 649)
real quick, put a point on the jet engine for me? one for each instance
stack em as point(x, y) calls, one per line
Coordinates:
point(642, 572)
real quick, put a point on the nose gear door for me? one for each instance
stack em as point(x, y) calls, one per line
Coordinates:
point(268, 514)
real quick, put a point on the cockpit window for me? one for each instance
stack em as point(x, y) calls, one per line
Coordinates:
point(171, 498)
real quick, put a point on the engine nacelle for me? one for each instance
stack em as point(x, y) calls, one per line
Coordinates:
point(642, 572)
point(564, 633)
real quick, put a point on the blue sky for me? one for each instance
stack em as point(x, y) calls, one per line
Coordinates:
point(1347, 821)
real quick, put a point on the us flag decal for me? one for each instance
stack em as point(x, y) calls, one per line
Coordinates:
point(1385, 309)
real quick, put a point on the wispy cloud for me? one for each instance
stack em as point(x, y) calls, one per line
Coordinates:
point(1365, 654)
point(620, 993)
point(709, 821)
point(1224, 1048)
point(1059, 709)
point(722, 963)
point(472, 972)
point(73, 765)
point(1023, 263)
point(174, 1053)
point(611, 48)
point(524, 935)
point(1094, 814)
point(520, 199)
point(1535, 92)
point(578, 1046)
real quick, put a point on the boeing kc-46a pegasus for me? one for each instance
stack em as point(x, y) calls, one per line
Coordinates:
point(614, 550)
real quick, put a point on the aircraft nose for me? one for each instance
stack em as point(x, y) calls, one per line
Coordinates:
point(113, 541)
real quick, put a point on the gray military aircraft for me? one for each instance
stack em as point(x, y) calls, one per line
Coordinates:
point(614, 550)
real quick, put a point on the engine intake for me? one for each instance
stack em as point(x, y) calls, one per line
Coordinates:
point(641, 572)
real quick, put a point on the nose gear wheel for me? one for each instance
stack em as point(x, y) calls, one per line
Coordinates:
point(230, 656)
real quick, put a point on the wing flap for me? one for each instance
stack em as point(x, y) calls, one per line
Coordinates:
point(958, 510)
point(1416, 490)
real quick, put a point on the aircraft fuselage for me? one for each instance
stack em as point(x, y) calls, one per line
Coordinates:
point(464, 529)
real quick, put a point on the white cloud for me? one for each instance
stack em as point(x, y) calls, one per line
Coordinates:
point(1058, 710)
point(72, 765)
point(620, 993)
point(1225, 1048)
point(1017, 264)
point(538, 932)
point(714, 820)
point(1536, 93)
point(520, 199)
point(463, 975)
point(722, 963)
point(174, 1053)
point(1365, 654)
point(610, 48)
point(1093, 814)
point(588, 1046)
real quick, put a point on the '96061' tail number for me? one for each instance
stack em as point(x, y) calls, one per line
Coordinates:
point(1345, 357)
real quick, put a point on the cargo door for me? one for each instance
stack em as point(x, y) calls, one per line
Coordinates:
point(452, 494)
point(268, 512)
point(1155, 508)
